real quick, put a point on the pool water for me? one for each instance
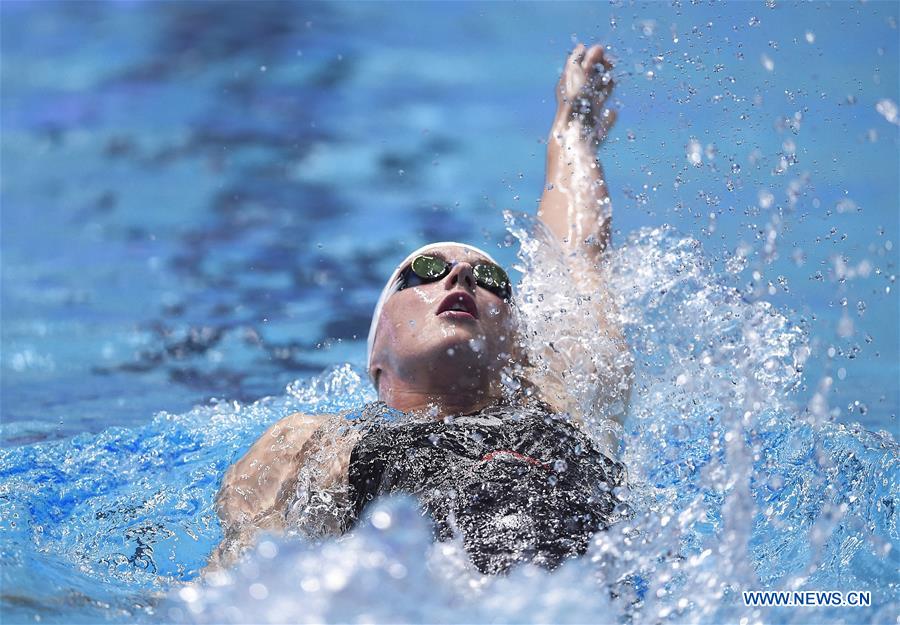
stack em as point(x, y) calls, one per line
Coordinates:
point(199, 205)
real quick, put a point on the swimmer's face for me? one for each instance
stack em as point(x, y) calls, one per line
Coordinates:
point(423, 333)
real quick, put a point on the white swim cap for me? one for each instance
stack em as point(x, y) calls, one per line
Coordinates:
point(391, 287)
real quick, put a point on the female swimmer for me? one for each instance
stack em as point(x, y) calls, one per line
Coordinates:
point(486, 443)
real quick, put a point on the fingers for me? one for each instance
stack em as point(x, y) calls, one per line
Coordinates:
point(571, 81)
point(574, 59)
point(577, 55)
point(574, 71)
point(598, 68)
point(584, 63)
point(588, 67)
point(585, 84)
point(594, 56)
point(587, 58)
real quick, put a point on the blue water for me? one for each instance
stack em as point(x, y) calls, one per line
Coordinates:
point(200, 202)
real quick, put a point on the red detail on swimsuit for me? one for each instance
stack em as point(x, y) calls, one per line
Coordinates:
point(499, 453)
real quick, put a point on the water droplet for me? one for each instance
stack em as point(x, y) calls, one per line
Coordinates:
point(888, 109)
point(267, 549)
point(335, 579)
point(647, 27)
point(381, 520)
point(188, 594)
point(695, 153)
point(258, 591)
point(845, 327)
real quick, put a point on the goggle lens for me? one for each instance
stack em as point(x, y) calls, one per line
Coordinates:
point(430, 268)
point(489, 275)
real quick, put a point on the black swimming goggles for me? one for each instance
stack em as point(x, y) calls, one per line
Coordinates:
point(424, 269)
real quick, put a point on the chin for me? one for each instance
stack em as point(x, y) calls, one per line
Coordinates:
point(463, 351)
point(456, 337)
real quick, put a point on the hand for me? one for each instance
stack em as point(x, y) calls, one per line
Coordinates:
point(584, 86)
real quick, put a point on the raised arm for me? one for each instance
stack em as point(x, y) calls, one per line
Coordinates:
point(575, 207)
point(575, 204)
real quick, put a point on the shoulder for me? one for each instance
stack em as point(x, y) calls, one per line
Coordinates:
point(295, 425)
point(287, 434)
point(275, 446)
point(251, 488)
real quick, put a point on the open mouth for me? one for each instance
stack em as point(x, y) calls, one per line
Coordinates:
point(458, 304)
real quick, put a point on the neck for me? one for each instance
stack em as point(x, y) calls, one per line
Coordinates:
point(435, 403)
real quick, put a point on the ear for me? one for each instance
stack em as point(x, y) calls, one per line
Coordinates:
point(376, 377)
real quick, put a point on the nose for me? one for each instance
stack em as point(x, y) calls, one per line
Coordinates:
point(463, 275)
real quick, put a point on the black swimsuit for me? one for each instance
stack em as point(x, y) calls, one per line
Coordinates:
point(520, 483)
